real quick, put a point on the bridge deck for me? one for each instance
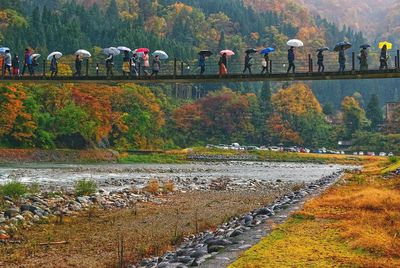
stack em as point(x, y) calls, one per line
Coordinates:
point(354, 75)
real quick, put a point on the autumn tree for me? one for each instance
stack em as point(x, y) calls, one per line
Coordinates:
point(353, 116)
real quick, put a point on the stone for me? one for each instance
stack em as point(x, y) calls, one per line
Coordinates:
point(185, 259)
point(236, 233)
point(215, 248)
point(2, 219)
point(11, 212)
point(28, 208)
point(198, 254)
point(218, 242)
point(20, 217)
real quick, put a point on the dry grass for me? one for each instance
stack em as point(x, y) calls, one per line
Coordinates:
point(168, 186)
point(357, 224)
point(153, 230)
point(152, 187)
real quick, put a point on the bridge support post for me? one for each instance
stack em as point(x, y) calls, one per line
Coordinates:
point(270, 66)
point(97, 69)
point(44, 68)
point(182, 68)
point(353, 61)
point(395, 62)
point(87, 67)
point(175, 72)
point(309, 63)
point(398, 59)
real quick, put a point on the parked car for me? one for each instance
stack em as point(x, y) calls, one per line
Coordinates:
point(382, 154)
point(390, 154)
point(371, 154)
point(355, 153)
point(360, 153)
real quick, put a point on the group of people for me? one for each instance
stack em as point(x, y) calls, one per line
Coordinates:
point(11, 64)
point(133, 64)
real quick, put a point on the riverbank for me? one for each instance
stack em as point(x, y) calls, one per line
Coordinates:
point(19, 156)
point(355, 223)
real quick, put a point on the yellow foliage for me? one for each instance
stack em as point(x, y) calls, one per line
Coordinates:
point(152, 187)
point(297, 99)
point(354, 224)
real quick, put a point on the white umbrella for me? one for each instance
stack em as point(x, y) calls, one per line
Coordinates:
point(35, 56)
point(122, 48)
point(161, 54)
point(3, 50)
point(111, 50)
point(83, 53)
point(55, 53)
point(295, 43)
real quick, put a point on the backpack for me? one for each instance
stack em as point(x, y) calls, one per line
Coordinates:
point(34, 62)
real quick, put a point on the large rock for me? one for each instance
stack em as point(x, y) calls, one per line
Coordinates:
point(11, 212)
point(215, 248)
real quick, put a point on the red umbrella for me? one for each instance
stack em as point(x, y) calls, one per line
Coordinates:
point(142, 50)
point(227, 52)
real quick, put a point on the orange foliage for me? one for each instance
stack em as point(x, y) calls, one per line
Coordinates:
point(281, 130)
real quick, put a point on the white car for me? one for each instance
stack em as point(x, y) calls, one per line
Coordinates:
point(361, 153)
point(382, 154)
point(390, 154)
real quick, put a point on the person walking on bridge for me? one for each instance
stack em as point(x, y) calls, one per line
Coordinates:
point(156, 66)
point(54, 66)
point(146, 63)
point(383, 59)
point(7, 63)
point(320, 62)
point(78, 65)
point(126, 69)
point(202, 63)
point(364, 59)
point(247, 63)
point(265, 63)
point(223, 69)
point(135, 64)
point(291, 58)
point(15, 65)
point(27, 62)
point(342, 60)
point(110, 66)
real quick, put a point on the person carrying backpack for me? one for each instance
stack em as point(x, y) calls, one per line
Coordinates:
point(291, 57)
point(110, 65)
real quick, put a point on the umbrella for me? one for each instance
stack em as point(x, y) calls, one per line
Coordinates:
point(3, 50)
point(111, 50)
point(388, 45)
point(295, 43)
point(142, 50)
point(206, 53)
point(267, 50)
point(35, 56)
point(251, 50)
point(56, 53)
point(122, 48)
point(346, 45)
point(365, 46)
point(161, 54)
point(83, 53)
point(227, 52)
point(323, 49)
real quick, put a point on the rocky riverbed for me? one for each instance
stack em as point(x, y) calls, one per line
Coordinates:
point(125, 186)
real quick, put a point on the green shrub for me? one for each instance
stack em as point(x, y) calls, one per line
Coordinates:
point(85, 187)
point(393, 159)
point(13, 189)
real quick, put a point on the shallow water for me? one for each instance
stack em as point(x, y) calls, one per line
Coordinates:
point(119, 175)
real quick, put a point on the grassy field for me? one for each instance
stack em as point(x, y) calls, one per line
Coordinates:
point(92, 238)
point(354, 224)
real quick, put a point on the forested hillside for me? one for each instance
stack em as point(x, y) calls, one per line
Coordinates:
point(127, 116)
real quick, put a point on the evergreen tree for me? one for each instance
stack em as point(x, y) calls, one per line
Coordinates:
point(221, 44)
point(374, 113)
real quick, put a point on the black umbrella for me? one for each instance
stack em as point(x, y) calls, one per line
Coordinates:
point(365, 46)
point(346, 45)
point(251, 50)
point(206, 53)
point(323, 49)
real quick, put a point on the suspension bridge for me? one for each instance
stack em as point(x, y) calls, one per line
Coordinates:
point(184, 72)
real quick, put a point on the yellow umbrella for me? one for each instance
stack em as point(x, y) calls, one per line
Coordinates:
point(388, 45)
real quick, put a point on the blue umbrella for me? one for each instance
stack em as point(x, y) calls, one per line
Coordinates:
point(267, 50)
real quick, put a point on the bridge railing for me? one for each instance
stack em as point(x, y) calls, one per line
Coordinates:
point(304, 64)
